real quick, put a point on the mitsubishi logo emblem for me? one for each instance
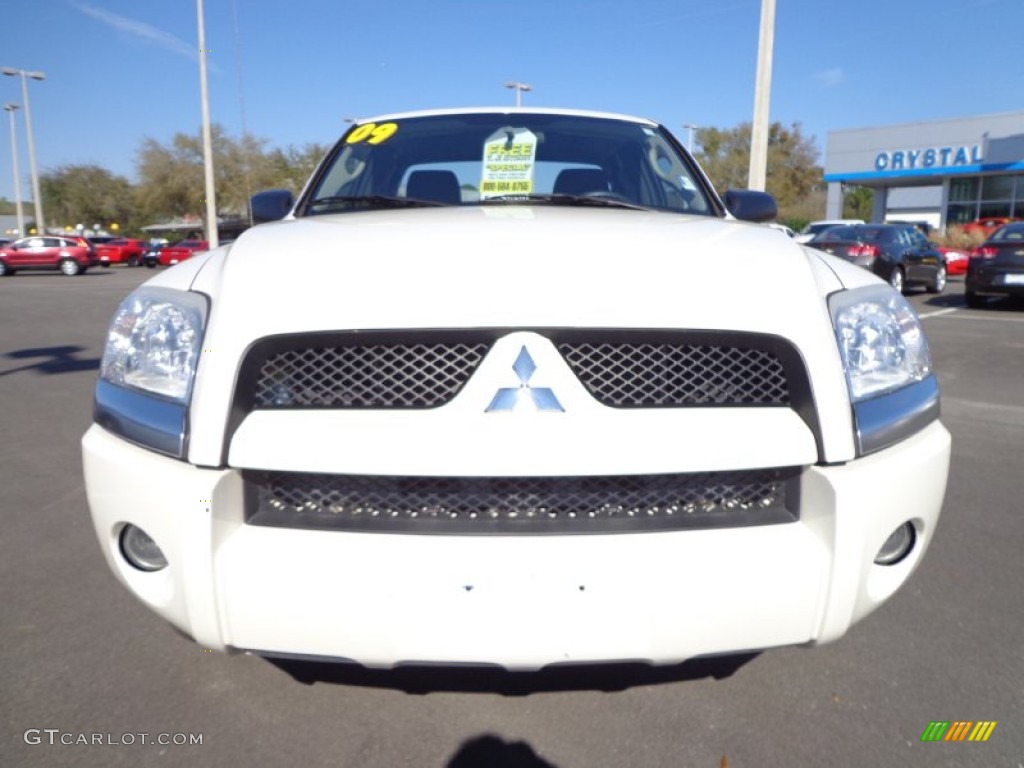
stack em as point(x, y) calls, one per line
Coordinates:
point(506, 398)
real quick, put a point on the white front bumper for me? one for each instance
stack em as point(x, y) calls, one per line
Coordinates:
point(517, 601)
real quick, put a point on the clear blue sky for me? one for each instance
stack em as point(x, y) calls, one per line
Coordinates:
point(118, 71)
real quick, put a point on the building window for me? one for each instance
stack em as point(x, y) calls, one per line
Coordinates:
point(997, 188)
point(960, 214)
point(995, 210)
point(963, 190)
point(982, 197)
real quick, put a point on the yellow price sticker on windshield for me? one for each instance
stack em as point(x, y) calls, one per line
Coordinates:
point(372, 133)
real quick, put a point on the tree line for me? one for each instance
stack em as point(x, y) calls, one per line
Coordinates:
point(171, 178)
point(171, 181)
point(794, 177)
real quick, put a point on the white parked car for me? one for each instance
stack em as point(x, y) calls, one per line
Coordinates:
point(787, 231)
point(514, 386)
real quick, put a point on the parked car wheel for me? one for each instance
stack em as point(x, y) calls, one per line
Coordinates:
point(4, 270)
point(896, 279)
point(974, 301)
point(70, 267)
point(133, 261)
point(938, 285)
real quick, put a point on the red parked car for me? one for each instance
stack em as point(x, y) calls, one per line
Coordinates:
point(71, 254)
point(986, 226)
point(122, 250)
point(956, 259)
point(172, 254)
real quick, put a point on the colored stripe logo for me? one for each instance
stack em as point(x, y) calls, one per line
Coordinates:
point(958, 730)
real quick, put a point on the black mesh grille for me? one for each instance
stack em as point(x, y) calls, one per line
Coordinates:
point(426, 369)
point(673, 374)
point(519, 504)
point(389, 375)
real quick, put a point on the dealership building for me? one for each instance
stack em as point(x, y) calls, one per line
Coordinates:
point(942, 172)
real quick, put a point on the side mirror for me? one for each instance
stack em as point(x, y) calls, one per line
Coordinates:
point(751, 205)
point(272, 205)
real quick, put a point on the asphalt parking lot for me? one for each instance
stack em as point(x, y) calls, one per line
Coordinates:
point(80, 657)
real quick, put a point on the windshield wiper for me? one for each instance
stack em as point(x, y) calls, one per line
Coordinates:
point(367, 201)
point(609, 199)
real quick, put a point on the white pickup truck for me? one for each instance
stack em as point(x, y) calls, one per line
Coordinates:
point(514, 387)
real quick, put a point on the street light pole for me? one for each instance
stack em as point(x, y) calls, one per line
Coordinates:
point(14, 163)
point(212, 234)
point(519, 88)
point(37, 198)
point(757, 177)
point(690, 127)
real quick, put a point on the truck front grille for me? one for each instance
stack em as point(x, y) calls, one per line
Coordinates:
point(427, 369)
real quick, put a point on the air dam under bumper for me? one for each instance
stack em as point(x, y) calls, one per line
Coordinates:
point(522, 602)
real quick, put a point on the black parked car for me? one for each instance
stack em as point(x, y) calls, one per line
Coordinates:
point(996, 267)
point(898, 253)
point(152, 255)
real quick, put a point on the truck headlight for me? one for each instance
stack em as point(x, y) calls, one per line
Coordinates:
point(148, 368)
point(888, 365)
point(881, 341)
point(154, 341)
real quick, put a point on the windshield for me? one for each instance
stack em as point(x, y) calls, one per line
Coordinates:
point(1009, 232)
point(506, 158)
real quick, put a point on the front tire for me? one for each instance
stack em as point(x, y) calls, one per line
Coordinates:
point(133, 261)
point(938, 285)
point(70, 267)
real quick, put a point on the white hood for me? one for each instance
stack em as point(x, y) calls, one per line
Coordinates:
point(513, 267)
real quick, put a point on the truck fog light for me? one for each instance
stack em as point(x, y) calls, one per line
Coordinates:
point(897, 546)
point(140, 550)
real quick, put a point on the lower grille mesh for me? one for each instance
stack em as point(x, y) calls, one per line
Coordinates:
point(519, 504)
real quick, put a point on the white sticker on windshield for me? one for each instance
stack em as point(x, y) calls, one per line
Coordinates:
point(508, 163)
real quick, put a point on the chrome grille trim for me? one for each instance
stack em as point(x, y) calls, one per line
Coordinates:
point(521, 505)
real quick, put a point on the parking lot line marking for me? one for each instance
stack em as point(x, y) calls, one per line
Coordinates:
point(938, 312)
point(961, 315)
